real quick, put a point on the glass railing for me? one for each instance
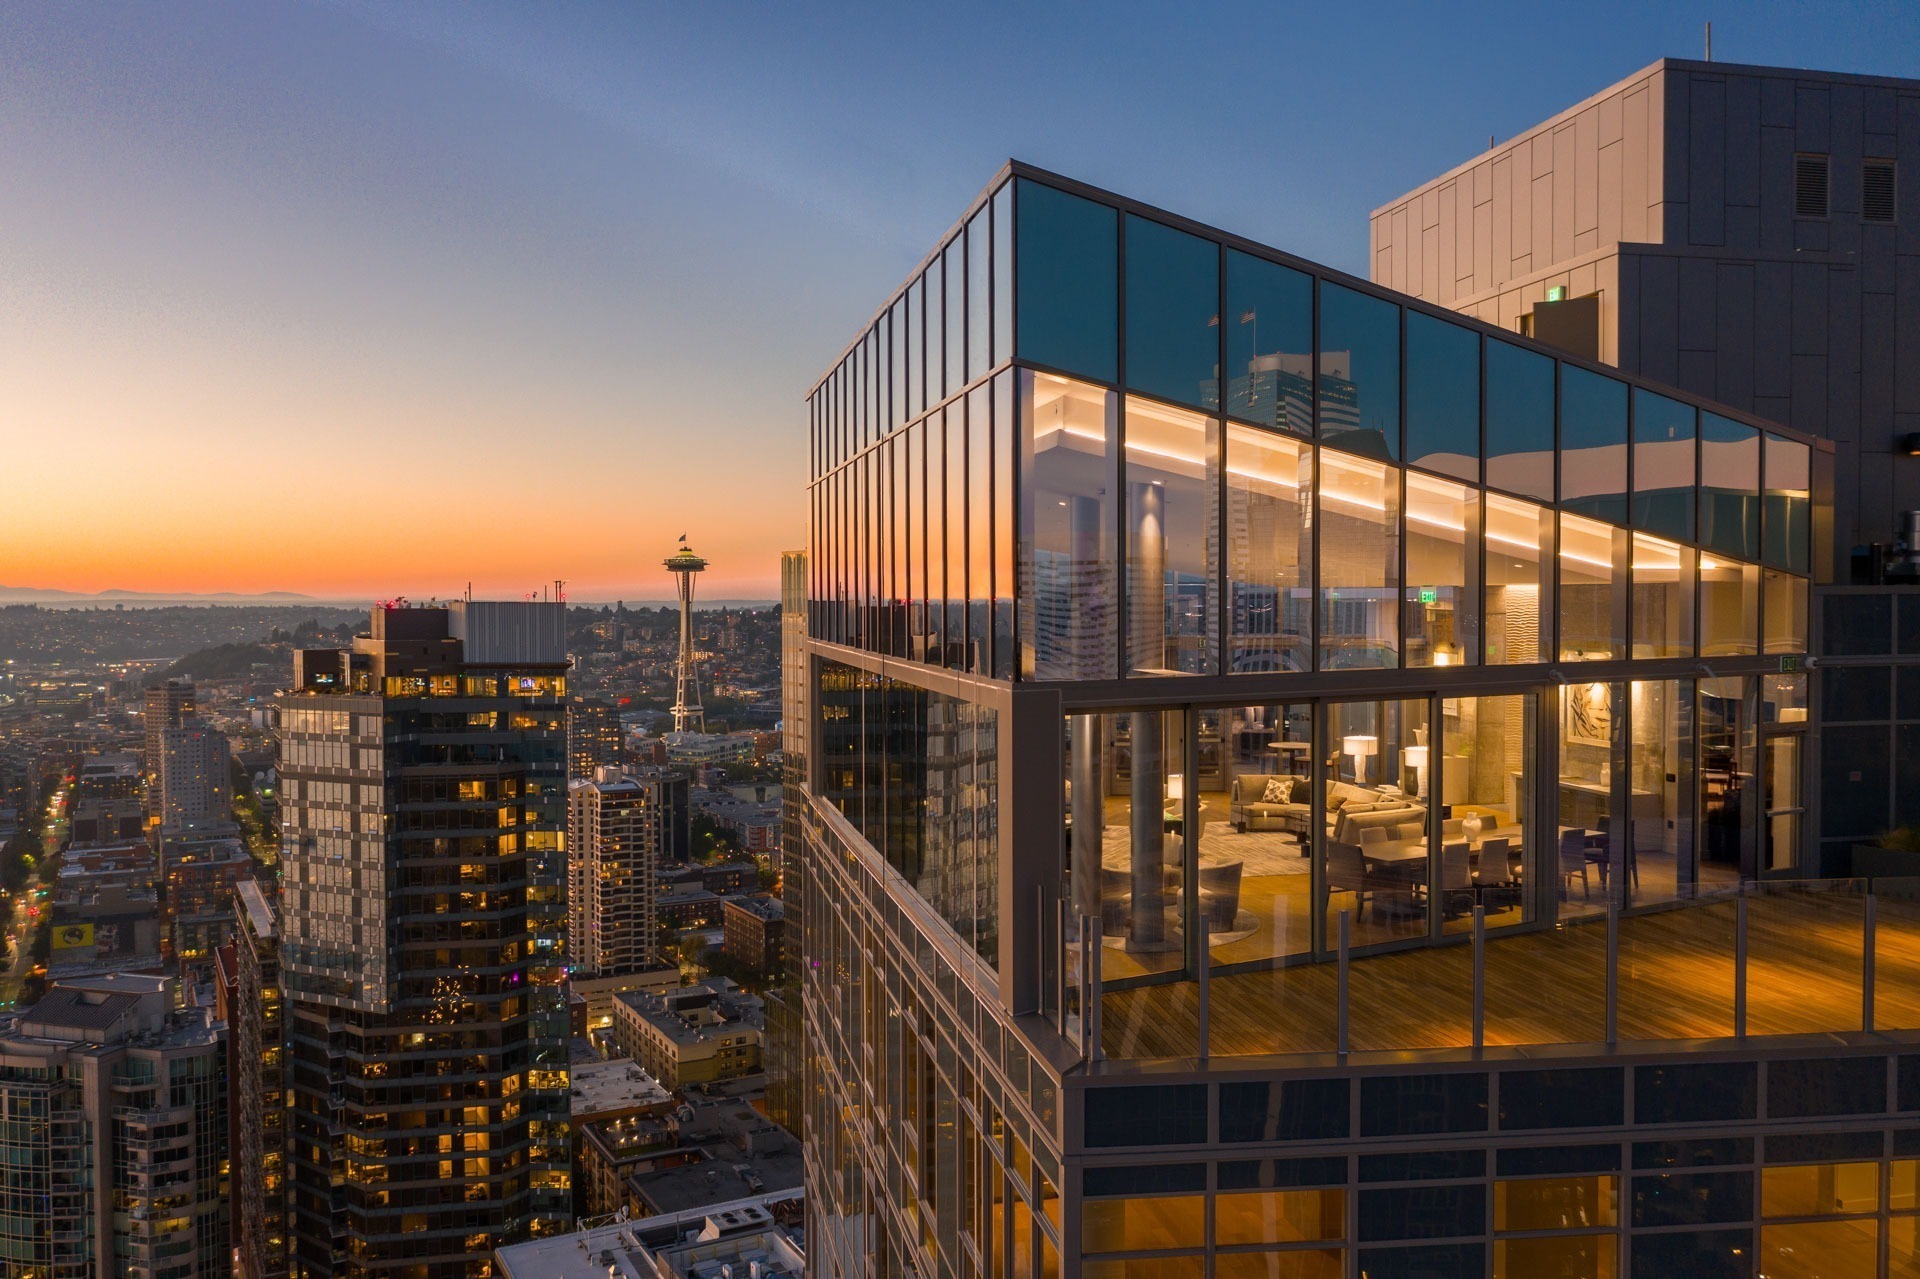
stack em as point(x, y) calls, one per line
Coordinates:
point(1796, 957)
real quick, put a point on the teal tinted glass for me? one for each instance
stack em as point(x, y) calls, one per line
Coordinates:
point(1788, 504)
point(1593, 444)
point(1730, 487)
point(1173, 314)
point(1269, 325)
point(1443, 397)
point(1519, 421)
point(1359, 375)
point(1067, 290)
point(1663, 465)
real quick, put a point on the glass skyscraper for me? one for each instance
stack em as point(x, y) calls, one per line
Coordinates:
point(1300, 783)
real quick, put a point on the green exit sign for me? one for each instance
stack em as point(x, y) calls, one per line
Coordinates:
point(1789, 664)
point(1556, 293)
point(1428, 594)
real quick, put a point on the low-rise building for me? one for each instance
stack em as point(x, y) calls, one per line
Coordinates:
point(755, 1236)
point(692, 1035)
point(756, 932)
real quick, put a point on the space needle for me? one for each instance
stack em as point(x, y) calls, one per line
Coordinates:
point(687, 715)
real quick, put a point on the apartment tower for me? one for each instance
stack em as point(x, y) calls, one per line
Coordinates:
point(423, 940)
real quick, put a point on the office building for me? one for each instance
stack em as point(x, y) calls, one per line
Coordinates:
point(258, 1081)
point(785, 1037)
point(196, 777)
point(115, 1145)
point(1368, 843)
point(199, 871)
point(595, 738)
point(618, 829)
point(1744, 234)
point(422, 940)
point(166, 705)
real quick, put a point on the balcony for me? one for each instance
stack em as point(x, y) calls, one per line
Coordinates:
point(1813, 957)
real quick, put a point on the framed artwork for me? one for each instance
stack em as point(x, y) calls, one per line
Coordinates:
point(1589, 715)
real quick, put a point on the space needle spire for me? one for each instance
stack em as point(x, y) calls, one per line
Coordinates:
point(687, 715)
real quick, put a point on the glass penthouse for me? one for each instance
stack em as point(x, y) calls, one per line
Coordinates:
point(1303, 785)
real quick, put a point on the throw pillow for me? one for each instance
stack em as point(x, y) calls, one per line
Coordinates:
point(1279, 791)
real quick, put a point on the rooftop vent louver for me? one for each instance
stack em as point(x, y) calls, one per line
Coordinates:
point(1876, 191)
point(1810, 186)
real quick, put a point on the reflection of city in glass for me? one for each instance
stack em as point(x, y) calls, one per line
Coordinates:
point(1320, 673)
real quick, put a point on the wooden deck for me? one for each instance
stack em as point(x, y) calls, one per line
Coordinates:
point(1805, 974)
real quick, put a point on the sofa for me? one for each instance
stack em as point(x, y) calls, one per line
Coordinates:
point(1350, 809)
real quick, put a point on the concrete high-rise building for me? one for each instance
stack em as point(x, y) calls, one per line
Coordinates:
point(618, 829)
point(595, 738)
point(687, 715)
point(1392, 857)
point(166, 705)
point(196, 777)
point(115, 1145)
point(1745, 234)
point(423, 940)
point(257, 1028)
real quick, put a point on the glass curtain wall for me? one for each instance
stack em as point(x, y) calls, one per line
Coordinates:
point(1173, 541)
point(1662, 604)
point(1255, 876)
point(1359, 539)
point(1729, 798)
point(1484, 788)
point(1441, 624)
point(1593, 444)
point(1584, 803)
point(1592, 590)
point(1068, 593)
point(1660, 852)
point(1377, 851)
point(1269, 552)
point(1729, 608)
point(1519, 581)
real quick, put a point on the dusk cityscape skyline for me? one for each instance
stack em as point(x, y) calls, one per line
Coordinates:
point(761, 642)
point(418, 233)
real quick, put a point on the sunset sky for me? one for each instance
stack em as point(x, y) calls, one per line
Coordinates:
point(367, 300)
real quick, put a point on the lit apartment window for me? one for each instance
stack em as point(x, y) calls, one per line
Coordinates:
point(1876, 191)
point(1810, 186)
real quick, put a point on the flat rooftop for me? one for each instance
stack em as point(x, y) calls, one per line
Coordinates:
point(608, 1087)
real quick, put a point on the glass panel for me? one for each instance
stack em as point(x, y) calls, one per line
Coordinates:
point(1280, 1216)
point(1269, 344)
point(1005, 455)
point(1819, 1190)
point(1585, 799)
point(1173, 493)
point(1299, 1263)
point(1067, 554)
point(1660, 844)
point(1804, 963)
point(1269, 552)
point(897, 363)
point(1592, 591)
point(1485, 782)
point(917, 347)
point(1255, 885)
point(1729, 607)
point(1729, 487)
point(936, 339)
point(1140, 1224)
point(1556, 1203)
point(1788, 504)
point(1662, 604)
point(978, 512)
point(1126, 799)
point(979, 305)
point(1376, 853)
point(1785, 623)
point(1193, 1266)
point(1563, 1256)
point(1003, 274)
point(956, 294)
point(1443, 397)
point(1726, 776)
point(1067, 255)
point(1593, 444)
point(1783, 800)
point(1903, 1252)
point(1359, 375)
point(1173, 314)
point(1519, 421)
point(1820, 1249)
point(917, 549)
point(1516, 579)
point(1359, 562)
point(1443, 570)
point(1663, 465)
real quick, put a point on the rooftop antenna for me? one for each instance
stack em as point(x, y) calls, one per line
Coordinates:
point(1709, 42)
point(560, 589)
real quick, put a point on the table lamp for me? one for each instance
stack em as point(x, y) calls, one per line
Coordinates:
point(1360, 747)
point(1415, 758)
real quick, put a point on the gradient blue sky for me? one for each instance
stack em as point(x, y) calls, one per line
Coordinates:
point(353, 298)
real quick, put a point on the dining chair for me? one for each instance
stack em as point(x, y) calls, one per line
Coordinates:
point(1456, 879)
point(1347, 873)
point(1573, 861)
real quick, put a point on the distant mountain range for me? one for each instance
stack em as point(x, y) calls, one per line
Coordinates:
point(49, 595)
